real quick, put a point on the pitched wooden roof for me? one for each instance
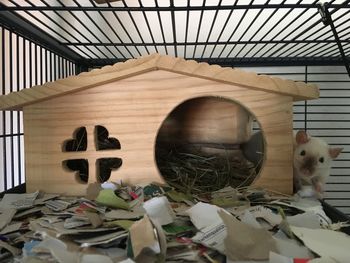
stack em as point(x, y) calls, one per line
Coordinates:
point(132, 67)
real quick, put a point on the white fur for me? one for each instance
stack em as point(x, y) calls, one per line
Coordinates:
point(315, 148)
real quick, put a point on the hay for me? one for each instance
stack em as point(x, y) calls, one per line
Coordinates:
point(191, 171)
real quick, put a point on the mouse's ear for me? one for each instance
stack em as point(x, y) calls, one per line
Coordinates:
point(334, 152)
point(302, 137)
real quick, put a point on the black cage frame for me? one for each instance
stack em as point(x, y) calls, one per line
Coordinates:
point(329, 45)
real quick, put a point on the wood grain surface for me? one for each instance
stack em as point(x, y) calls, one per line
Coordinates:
point(133, 109)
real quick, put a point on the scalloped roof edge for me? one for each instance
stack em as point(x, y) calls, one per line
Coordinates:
point(298, 90)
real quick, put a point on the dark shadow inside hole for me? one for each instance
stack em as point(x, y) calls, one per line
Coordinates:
point(208, 143)
point(81, 166)
point(78, 143)
point(103, 142)
point(253, 149)
point(105, 167)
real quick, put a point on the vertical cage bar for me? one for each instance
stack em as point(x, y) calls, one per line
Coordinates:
point(51, 66)
point(234, 31)
point(186, 28)
point(148, 26)
point(276, 24)
point(66, 69)
point(99, 29)
point(69, 68)
point(258, 30)
point(336, 37)
point(41, 66)
point(11, 112)
point(19, 175)
point(305, 103)
point(210, 30)
point(246, 30)
point(59, 63)
point(36, 64)
point(162, 29)
point(222, 31)
point(63, 75)
point(136, 27)
point(63, 70)
point(59, 26)
point(87, 28)
point(23, 64)
point(199, 29)
point(3, 113)
point(112, 28)
point(125, 30)
point(47, 66)
point(173, 25)
point(30, 64)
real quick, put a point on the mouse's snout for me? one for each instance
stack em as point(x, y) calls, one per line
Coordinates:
point(308, 166)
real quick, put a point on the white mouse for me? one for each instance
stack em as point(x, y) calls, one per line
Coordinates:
point(311, 164)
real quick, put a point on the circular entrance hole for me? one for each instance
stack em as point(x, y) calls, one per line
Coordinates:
point(208, 143)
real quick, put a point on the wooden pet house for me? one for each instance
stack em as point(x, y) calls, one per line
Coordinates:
point(112, 115)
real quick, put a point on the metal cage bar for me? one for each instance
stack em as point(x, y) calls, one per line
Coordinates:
point(23, 64)
point(254, 49)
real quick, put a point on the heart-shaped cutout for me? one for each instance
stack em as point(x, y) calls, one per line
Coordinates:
point(105, 167)
point(79, 143)
point(103, 142)
point(81, 166)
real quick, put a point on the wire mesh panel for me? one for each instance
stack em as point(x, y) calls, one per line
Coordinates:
point(230, 32)
point(23, 64)
point(328, 118)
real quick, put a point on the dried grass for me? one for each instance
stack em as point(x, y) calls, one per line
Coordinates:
point(191, 171)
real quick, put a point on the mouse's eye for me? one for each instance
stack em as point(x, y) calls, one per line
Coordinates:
point(302, 153)
point(321, 160)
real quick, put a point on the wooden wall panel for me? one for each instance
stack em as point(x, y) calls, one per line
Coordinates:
point(133, 110)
